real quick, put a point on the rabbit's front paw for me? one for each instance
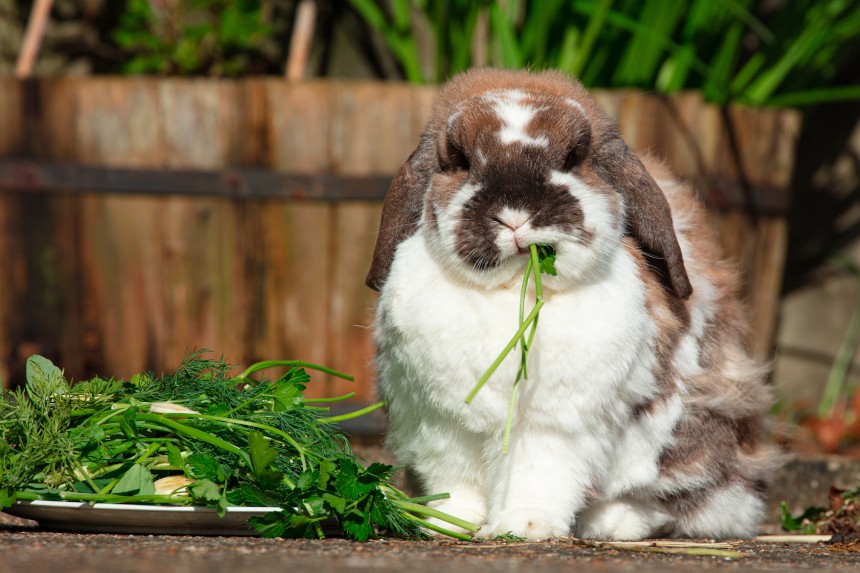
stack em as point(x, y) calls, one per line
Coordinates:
point(534, 524)
point(468, 507)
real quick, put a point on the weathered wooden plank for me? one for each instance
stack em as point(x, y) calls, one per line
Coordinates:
point(44, 288)
point(203, 272)
point(119, 123)
point(7, 308)
point(10, 142)
point(11, 134)
point(373, 131)
point(289, 244)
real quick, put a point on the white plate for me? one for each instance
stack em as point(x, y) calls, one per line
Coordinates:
point(136, 518)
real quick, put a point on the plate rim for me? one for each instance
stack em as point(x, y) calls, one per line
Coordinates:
point(165, 508)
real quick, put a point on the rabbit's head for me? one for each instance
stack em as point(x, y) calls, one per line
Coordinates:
point(511, 159)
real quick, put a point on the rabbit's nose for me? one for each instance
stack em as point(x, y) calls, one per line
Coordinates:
point(512, 218)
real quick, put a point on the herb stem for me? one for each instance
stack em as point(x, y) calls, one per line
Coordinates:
point(327, 400)
point(109, 487)
point(86, 475)
point(433, 527)
point(428, 498)
point(523, 294)
point(351, 415)
point(265, 364)
point(509, 420)
point(486, 376)
point(446, 517)
point(149, 451)
point(288, 438)
point(317, 526)
point(192, 432)
point(536, 268)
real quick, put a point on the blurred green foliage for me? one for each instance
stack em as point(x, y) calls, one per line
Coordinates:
point(213, 37)
point(758, 52)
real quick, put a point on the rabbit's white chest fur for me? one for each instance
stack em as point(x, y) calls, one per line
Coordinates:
point(445, 335)
point(588, 366)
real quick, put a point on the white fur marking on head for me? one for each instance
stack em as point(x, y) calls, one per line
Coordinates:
point(516, 117)
point(514, 218)
point(596, 212)
point(573, 103)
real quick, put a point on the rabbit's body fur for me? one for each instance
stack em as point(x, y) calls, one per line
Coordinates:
point(641, 414)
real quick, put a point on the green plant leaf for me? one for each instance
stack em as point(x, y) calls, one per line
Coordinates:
point(589, 37)
point(262, 454)
point(174, 455)
point(358, 526)
point(44, 380)
point(351, 482)
point(337, 503)
point(546, 259)
point(128, 423)
point(251, 495)
point(8, 497)
point(206, 490)
point(816, 96)
point(136, 481)
point(204, 466)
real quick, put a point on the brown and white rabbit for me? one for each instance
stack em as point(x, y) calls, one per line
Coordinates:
point(643, 413)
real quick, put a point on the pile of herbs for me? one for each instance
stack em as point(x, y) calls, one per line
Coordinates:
point(200, 437)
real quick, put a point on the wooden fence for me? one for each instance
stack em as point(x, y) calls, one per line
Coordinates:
point(119, 277)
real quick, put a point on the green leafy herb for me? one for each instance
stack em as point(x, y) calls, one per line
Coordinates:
point(509, 537)
point(226, 440)
point(546, 260)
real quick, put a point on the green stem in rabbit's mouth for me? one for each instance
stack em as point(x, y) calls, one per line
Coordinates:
point(541, 260)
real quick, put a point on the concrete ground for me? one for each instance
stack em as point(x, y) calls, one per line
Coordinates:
point(36, 552)
point(24, 548)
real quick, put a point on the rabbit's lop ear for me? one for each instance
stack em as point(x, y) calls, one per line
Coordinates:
point(402, 208)
point(649, 219)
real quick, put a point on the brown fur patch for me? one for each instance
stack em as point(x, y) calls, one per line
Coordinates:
point(669, 314)
point(720, 437)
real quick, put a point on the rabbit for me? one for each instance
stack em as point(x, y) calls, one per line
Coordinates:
point(643, 414)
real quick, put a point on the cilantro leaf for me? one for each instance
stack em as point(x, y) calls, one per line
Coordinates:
point(205, 490)
point(546, 259)
point(204, 466)
point(289, 390)
point(352, 482)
